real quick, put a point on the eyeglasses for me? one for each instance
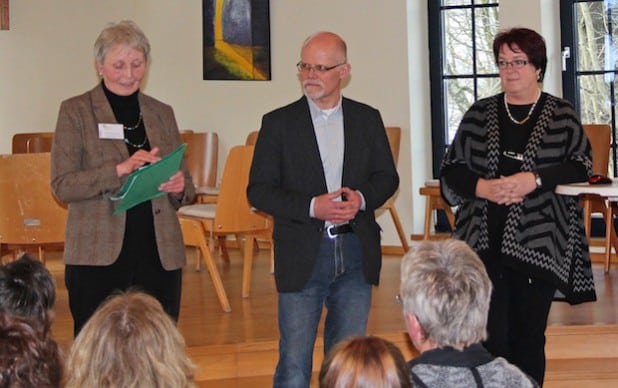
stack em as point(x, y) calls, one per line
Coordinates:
point(306, 68)
point(516, 64)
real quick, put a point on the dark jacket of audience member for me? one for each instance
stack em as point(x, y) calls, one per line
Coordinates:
point(445, 293)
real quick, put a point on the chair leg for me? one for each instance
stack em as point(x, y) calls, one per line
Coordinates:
point(609, 231)
point(397, 222)
point(216, 278)
point(428, 215)
point(42, 254)
point(450, 216)
point(198, 259)
point(613, 208)
point(247, 265)
point(587, 205)
point(222, 245)
point(272, 257)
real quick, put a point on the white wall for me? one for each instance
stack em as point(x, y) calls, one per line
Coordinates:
point(47, 57)
point(543, 16)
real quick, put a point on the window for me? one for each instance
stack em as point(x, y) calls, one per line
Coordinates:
point(461, 34)
point(589, 31)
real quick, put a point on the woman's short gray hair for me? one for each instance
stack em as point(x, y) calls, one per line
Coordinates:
point(445, 285)
point(124, 32)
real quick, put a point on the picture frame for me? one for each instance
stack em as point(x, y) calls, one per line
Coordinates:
point(4, 14)
point(236, 40)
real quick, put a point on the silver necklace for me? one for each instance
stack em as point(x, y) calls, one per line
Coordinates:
point(139, 121)
point(508, 112)
point(137, 145)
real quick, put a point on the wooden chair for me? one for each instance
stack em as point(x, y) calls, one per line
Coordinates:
point(194, 235)
point(434, 201)
point(251, 138)
point(30, 216)
point(268, 236)
point(32, 142)
point(394, 140)
point(599, 136)
point(201, 156)
point(232, 214)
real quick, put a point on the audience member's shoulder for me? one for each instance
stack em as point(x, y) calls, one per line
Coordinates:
point(504, 374)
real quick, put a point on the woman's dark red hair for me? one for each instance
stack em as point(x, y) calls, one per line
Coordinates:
point(527, 41)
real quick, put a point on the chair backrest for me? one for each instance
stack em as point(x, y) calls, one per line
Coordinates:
point(394, 139)
point(251, 138)
point(599, 136)
point(29, 213)
point(234, 213)
point(32, 142)
point(201, 155)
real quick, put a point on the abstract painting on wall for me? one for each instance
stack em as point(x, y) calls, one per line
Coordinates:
point(236, 39)
point(4, 14)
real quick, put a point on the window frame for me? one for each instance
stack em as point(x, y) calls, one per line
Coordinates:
point(570, 81)
point(439, 110)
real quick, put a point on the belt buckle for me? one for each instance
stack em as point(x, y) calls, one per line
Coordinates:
point(329, 232)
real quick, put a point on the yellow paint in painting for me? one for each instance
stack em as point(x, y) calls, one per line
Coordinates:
point(241, 55)
point(218, 23)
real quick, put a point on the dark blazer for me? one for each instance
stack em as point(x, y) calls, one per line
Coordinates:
point(287, 172)
point(83, 175)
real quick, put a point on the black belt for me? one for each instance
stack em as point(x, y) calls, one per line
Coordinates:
point(335, 230)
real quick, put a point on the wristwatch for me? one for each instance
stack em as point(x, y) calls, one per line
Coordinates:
point(537, 179)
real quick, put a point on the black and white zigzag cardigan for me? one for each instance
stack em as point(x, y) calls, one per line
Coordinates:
point(544, 235)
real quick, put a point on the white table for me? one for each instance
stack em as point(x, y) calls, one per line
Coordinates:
point(608, 192)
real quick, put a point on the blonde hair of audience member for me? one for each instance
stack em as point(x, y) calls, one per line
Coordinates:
point(365, 362)
point(129, 342)
point(445, 293)
point(26, 358)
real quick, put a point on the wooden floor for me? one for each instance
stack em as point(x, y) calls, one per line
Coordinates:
point(251, 327)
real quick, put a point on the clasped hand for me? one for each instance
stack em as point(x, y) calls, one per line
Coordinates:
point(175, 185)
point(330, 207)
point(506, 190)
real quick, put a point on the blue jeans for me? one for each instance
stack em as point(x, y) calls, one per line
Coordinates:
point(338, 283)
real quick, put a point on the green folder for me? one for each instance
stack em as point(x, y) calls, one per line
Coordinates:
point(143, 184)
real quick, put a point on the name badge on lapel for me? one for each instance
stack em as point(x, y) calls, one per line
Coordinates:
point(111, 131)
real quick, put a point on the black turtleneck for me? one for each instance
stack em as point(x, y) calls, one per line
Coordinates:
point(127, 112)
point(139, 234)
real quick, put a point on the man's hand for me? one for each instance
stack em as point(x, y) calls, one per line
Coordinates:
point(330, 207)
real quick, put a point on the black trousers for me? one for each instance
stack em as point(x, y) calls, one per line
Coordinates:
point(518, 314)
point(89, 286)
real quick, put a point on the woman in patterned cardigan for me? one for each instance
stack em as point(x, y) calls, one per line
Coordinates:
point(509, 153)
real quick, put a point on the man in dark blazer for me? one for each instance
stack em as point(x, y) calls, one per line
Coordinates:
point(322, 165)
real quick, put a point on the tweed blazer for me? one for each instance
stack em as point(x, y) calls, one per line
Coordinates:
point(287, 173)
point(83, 175)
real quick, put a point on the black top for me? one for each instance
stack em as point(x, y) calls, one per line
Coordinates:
point(139, 234)
point(513, 140)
